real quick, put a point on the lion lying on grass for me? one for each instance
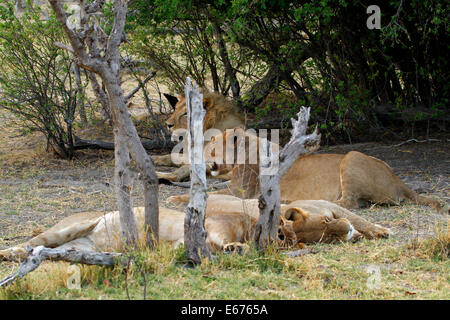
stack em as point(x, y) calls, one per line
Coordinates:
point(229, 221)
point(351, 180)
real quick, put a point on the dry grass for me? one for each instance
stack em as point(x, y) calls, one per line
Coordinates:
point(335, 272)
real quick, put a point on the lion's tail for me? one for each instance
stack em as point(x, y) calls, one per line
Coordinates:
point(411, 195)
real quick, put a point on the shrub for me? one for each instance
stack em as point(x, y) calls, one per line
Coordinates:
point(37, 85)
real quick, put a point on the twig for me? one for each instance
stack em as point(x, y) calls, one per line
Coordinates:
point(413, 140)
point(141, 84)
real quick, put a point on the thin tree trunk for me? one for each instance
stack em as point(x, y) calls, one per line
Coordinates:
point(269, 200)
point(229, 70)
point(121, 117)
point(98, 52)
point(194, 223)
point(259, 91)
point(101, 96)
point(122, 184)
point(80, 102)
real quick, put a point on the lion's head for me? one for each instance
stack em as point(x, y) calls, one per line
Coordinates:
point(221, 113)
point(310, 228)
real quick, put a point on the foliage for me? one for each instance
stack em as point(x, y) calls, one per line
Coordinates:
point(35, 76)
point(322, 51)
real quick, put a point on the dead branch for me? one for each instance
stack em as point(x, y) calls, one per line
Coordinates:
point(80, 144)
point(141, 84)
point(39, 254)
point(194, 222)
point(269, 200)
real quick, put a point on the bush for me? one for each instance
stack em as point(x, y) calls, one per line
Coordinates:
point(37, 85)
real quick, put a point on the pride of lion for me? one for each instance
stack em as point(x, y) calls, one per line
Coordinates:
point(316, 193)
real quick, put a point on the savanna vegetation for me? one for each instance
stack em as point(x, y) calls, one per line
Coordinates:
point(374, 87)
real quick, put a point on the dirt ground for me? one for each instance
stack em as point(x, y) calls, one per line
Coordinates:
point(37, 189)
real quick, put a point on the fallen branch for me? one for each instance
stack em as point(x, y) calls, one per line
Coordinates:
point(105, 145)
point(413, 140)
point(187, 184)
point(39, 254)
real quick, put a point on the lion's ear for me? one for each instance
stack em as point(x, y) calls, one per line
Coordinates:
point(283, 220)
point(295, 214)
point(208, 103)
point(172, 100)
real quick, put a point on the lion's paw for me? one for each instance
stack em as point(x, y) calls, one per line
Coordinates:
point(236, 247)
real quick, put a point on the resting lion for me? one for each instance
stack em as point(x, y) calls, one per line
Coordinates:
point(221, 113)
point(98, 231)
point(229, 222)
point(311, 220)
point(351, 180)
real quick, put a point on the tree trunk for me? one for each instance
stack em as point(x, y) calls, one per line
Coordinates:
point(80, 92)
point(269, 200)
point(101, 96)
point(194, 223)
point(122, 119)
point(122, 186)
point(229, 70)
point(98, 52)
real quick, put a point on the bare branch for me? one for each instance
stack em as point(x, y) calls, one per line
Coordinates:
point(63, 46)
point(94, 6)
point(76, 40)
point(39, 254)
point(135, 90)
point(299, 144)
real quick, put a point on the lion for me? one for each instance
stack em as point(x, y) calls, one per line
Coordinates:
point(229, 222)
point(221, 114)
point(352, 180)
point(302, 221)
point(98, 231)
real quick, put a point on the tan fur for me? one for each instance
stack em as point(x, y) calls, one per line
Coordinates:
point(332, 212)
point(221, 113)
point(230, 223)
point(98, 231)
point(321, 221)
point(350, 180)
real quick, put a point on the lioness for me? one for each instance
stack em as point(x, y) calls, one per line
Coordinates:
point(225, 224)
point(98, 231)
point(310, 220)
point(221, 113)
point(351, 180)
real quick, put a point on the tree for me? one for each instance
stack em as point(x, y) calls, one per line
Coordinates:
point(98, 52)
